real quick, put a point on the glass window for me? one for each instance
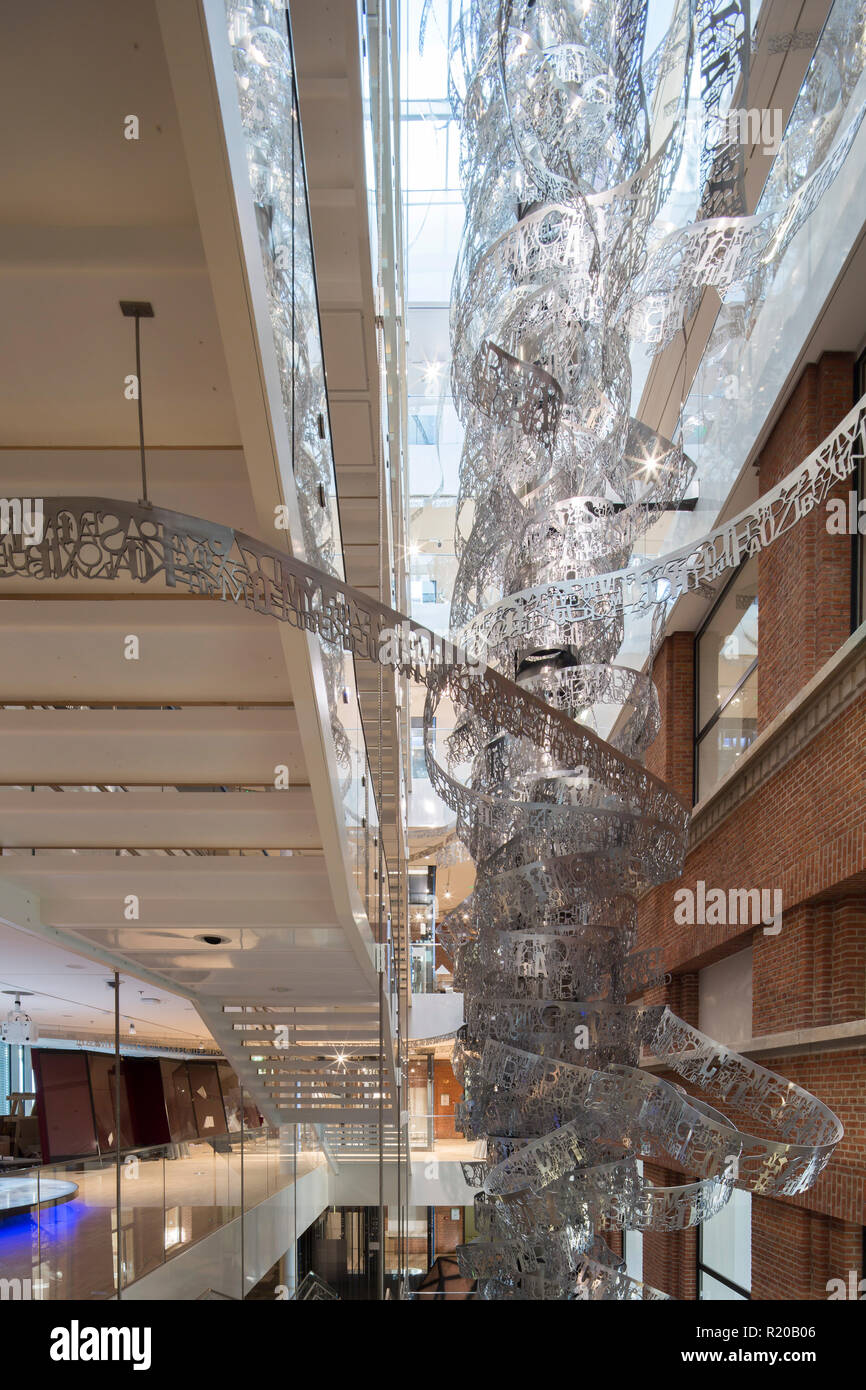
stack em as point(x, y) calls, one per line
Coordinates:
point(860, 546)
point(419, 766)
point(424, 590)
point(632, 1247)
point(423, 428)
point(859, 557)
point(5, 1082)
point(725, 1251)
point(16, 1074)
point(714, 1290)
point(726, 661)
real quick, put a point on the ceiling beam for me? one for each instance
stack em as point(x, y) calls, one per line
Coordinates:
point(149, 819)
point(192, 746)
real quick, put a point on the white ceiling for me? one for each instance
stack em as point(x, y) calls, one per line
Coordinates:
point(70, 996)
point(88, 218)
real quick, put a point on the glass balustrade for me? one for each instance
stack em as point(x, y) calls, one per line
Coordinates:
point(61, 1241)
point(259, 37)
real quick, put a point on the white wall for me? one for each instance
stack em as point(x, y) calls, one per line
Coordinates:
point(357, 1183)
point(725, 998)
point(436, 1184)
point(432, 1184)
point(433, 1014)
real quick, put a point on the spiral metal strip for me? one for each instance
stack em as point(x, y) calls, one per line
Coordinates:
point(572, 138)
point(550, 909)
point(571, 143)
point(566, 827)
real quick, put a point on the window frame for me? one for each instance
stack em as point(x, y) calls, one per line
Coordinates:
point(702, 1268)
point(701, 733)
point(858, 542)
point(714, 1274)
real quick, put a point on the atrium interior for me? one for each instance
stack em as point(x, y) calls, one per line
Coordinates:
point(433, 611)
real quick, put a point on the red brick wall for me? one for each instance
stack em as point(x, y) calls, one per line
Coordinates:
point(802, 832)
point(819, 977)
point(807, 573)
point(671, 755)
point(848, 960)
point(670, 1257)
point(798, 1244)
point(449, 1233)
point(615, 1240)
point(795, 1253)
point(838, 1077)
point(445, 1084)
point(791, 977)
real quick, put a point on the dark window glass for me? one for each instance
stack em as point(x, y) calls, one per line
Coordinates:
point(64, 1104)
point(726, 668)
point(178, 1102)
point(104, 1091)
point(206, 1098)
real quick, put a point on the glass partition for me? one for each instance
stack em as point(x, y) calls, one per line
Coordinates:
point(76, 1229)
point(87, 1210)
point(267, 99)
point(760, 329)
point(259, 36)
point(63, 1242)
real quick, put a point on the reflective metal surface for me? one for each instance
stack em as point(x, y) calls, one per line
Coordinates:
point(550, 1079)
point(572, 142)
point(572, 139)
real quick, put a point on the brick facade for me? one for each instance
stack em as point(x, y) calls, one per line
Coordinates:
point(796, 1253)
point(449, 1229)
point(806, 575)
point(670, 1259)
point(802, 832)
point(671, 755)
point(447, 1091)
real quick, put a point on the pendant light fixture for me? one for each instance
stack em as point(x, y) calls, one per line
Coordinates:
point(139, 309)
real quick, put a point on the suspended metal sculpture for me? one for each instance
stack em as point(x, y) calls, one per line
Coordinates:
point(544, 946)
point(571, 141)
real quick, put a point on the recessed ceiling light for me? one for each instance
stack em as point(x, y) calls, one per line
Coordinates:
point(210, 940)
